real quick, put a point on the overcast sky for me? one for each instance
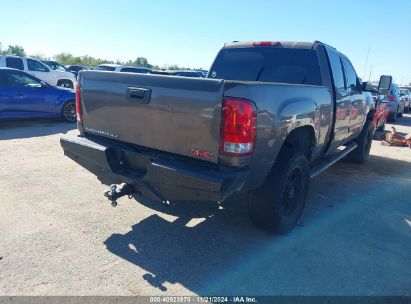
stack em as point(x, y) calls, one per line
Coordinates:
point(189, 33)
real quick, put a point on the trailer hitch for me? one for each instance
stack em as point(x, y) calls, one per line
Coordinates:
point(115, 193)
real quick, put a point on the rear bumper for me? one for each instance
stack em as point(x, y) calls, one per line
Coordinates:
point(158, 176)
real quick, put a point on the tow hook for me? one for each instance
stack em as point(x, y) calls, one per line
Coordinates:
point(114, 193)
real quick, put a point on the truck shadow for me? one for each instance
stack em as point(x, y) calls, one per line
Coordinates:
point(18, 129)
point(209, 258)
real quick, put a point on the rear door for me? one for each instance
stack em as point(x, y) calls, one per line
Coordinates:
point(15, 63)
point(342, 97)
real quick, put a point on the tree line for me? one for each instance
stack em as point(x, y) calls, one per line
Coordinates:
point(86, 60)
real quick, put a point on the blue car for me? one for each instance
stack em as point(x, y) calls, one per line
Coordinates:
point(25, 96)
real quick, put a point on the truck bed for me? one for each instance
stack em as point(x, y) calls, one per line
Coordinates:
point(171, 114)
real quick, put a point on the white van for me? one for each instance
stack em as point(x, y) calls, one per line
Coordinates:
point(40, 70)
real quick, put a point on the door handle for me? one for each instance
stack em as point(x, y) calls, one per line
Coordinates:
point(18, 94)
point(140, 95)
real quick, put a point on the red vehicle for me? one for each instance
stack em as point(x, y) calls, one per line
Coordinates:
point(381, 110)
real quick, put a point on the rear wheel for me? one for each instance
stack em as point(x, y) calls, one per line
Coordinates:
point(278, 204)
point(364, 141)
point(68, 111)
point(65, 84)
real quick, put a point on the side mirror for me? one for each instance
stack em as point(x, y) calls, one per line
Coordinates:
point(385, 84)
point(364, 86)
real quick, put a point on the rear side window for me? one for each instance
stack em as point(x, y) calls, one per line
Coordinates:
point(337, 71)
point(268, 64)
point(14, 63)
point(36, 66)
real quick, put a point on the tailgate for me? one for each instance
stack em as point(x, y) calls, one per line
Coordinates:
point(173, 114)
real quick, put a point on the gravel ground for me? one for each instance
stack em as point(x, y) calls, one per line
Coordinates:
point(60, 236)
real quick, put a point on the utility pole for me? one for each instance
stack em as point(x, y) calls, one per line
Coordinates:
point(366, 63)
point(369, 77)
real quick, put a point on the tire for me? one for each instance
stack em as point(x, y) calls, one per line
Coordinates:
point(68, 111)
point(360, 154)
point(382, 128)
point(392, 117)
point(400, 114)
point(65, 84)
point(278, 204)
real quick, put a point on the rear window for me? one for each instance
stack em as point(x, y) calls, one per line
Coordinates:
point(105, 68)
point(268, 64)
point(135, 70)
point(14, 63)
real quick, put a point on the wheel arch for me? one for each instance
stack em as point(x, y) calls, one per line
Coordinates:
point(301, 138)
point(65, 79)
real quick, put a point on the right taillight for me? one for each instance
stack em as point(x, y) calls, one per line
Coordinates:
point(78, 103)
point(391, 98)
point(238, 127)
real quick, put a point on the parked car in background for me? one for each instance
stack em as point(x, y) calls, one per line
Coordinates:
point(55, 65)
point(75, 69)
point(159, 72)
point(24, 96)
point(40, 70)
point(405, 94)
point(123, 68)
point(396, 105)
point(186, 73)
point(381, 109)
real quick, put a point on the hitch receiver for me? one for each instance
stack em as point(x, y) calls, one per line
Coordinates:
point(113, 194)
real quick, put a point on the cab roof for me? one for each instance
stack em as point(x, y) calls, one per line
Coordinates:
point(285, 44)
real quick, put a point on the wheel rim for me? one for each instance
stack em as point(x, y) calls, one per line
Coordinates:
point(292, 192)
point(70, 112)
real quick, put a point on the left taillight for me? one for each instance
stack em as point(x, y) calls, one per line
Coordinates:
point(78, 103)
point(238, 127)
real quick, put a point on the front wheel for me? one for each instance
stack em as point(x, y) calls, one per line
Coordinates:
point(364, 140)
point(279, 203)
point(68, 111)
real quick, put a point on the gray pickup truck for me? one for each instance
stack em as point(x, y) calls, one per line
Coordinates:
point(268, 117)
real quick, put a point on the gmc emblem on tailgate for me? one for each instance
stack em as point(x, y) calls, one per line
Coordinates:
point(202, 154)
